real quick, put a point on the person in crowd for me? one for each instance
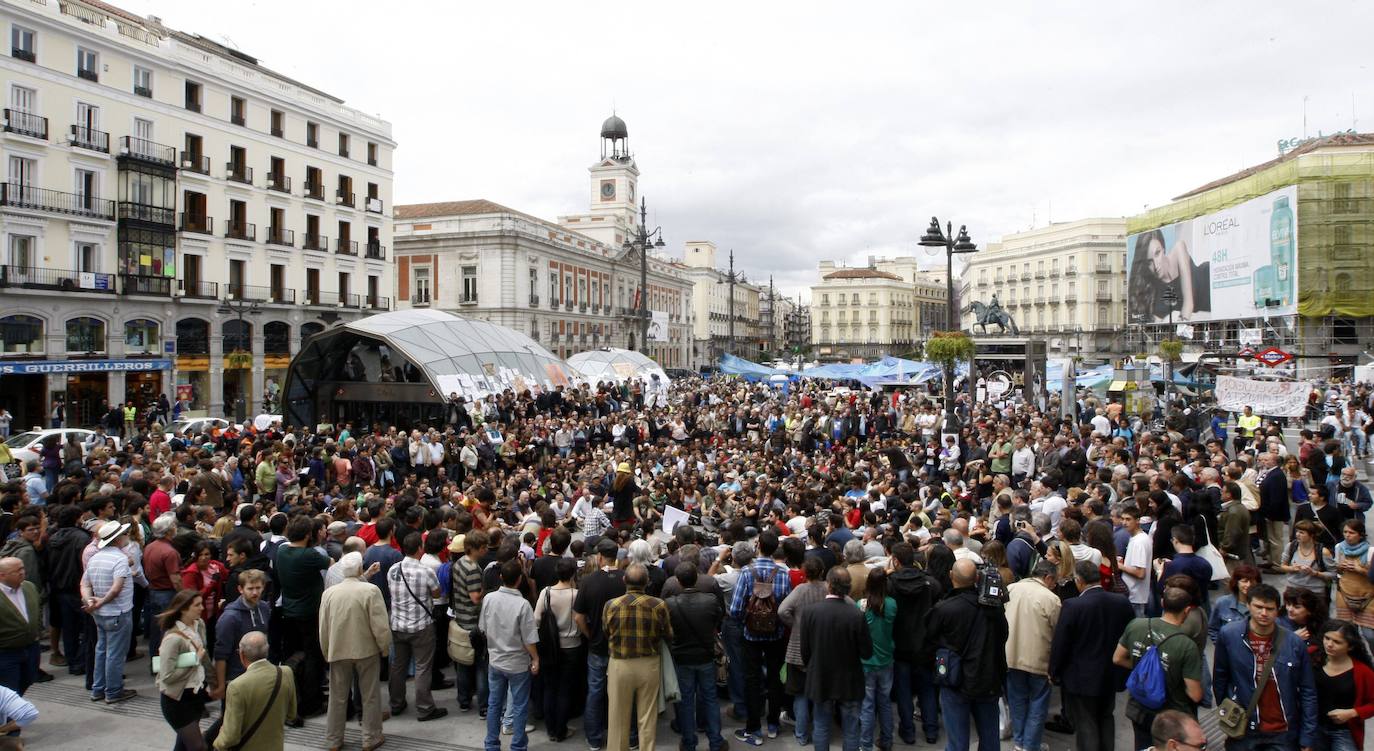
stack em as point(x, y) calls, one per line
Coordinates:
point(1235, 605)
point(562, 662)
point(21, 627)
point(1345, 687)
point(507, 620)
point(300, 568)
point(977, 634)
point(107, 589)
point(413, 587)
point(1173, 730)
point(184, 667)
point(1354, 586)
point(635, 624)
point(1032, 612)
point(759, 591)
point(260, 702)
point(835, 642)
point(1179, 657)
point(1081, 649)
point(465, 599)
point(880, 613)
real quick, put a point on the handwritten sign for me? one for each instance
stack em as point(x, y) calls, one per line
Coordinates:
point(1269, 398)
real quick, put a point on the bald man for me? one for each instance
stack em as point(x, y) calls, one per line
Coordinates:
point(264, 690)
point(21, 624)
point(978, 634)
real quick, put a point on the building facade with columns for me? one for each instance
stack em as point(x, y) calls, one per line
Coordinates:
point(570, 285)
point(713, 333)
point(1065, 283)
point(158, 185)
point(862, 313)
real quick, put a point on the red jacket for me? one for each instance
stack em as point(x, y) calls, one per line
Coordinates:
point(1364, 701)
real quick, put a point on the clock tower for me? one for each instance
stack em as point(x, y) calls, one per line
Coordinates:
point(614, 178)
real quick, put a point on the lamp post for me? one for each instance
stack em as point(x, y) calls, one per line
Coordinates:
point(238, 307)
point(961, 244)
point(1170, 297)
point(731, 278)
point(643, 239)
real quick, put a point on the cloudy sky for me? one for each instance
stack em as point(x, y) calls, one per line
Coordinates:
point(799, 131)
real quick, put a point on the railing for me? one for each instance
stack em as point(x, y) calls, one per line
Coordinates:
point(1103, 268)
point(315, 191)
point(278, 182)
point(144, 213)
point(419, 298)
point(194, 162)
point(1071, 271)
point(277, 132)
point(25, 55)
point(315, 242)
point(198, 223)
point(199, 288)
point(63, 279)
point(147, 151)
point(90, 138)
point(282, 296)
point(193, 105)
point(346, 247)
point(82, 13)
point(138, 284)
point(238, 172)
point(312, 142)
point(143, 91)
point(1071, 297)
point(376, 251)
point(241, 230)
point(21, 196)
point(1039, 273)
point(1025, 276)
point(350, 299)
point(312, 297)
point(378, 303)
point(280, 236)
point(1103, 295)
point(237, 119)
point(345, 199)
point(26, 124)
point(88, 74)
point(247, 292)
point(373, 205)
point(534, 301)
point(470, 300)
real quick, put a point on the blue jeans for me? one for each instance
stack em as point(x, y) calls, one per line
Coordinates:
point(957, 709)
point(877, 708)
point(732, 635)
point(1265, 742)
point(158, 600)
point(472, 679)
point(801, 712)
point(518, 684)
point(18, 668)
point(594, 715)
point(1336, 740)
point(849, 723)
point(1028, 698)
point(111, 648)
point(698, 682)
point(908, 682)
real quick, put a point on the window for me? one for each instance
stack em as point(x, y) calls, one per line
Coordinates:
point(278, 123)
point(825, 299)
point(85, 334)
point(140, 337)
point(553, 288)
point(534, 284)
point(21, 44)
point(193, 96)
point(143, 81)
point(238, 110)
point(469, 274)
point(86, 187)
point(312, 135)
point(21, 171)
point(372, 153)
point(85, 64)
point(312, 287)
point(854, 299)
point(87, 258)
point(21, 335)
point(277, 282)
point(236, 278)
point(344, 279)
point(343, 144)
point(21, 253)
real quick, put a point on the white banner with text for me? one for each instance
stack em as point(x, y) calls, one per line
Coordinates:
point(1268, 398)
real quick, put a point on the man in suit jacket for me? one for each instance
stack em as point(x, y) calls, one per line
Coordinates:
point(355, 631)
point(212, 484)
point(21, 625)
point(834, 642)
point(1273, 510)
point(1090, 625)
point(248, 698)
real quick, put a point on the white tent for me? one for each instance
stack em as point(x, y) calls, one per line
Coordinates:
point(616, 365)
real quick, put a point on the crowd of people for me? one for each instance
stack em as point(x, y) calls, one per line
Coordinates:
point(801, 560)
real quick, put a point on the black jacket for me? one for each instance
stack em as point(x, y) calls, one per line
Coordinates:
point(1274, 496)
point(978, 634)
point(915, 593)
point(696, 617)
point(1090, 625)
point(64, 559)
point(834, 641)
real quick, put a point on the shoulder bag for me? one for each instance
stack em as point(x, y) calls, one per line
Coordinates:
point(1233, 719)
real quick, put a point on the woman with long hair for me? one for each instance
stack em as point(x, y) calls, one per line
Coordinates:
point(1354, 591)
point(207, 575)
point(184, 664)
point(1060, 553)
point(1233, 606)
point(1156, 267)
point(1097, 534)
point(1345, 687)
point(1304, 614)
point(880, 612)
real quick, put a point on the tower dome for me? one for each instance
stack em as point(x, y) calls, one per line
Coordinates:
point(614, 128)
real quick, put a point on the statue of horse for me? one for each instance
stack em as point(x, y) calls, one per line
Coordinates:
point(985, 315)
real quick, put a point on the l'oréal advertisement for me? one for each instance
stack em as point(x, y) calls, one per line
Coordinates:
point(1240, 262)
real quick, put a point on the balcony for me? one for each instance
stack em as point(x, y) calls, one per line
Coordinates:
point(199, 289)
point(346, 247)
point(56, 279)
point(349, 300)
point(21, 196)
point(193, 105)
point(144, 150)
point(1103, 268)
point(376, 251)
point(277, 131)
point(88, 74)
point(373, 205)
point(89, 138)
point(420, 299)
point(375, 302)
point(1039, 273)
point(1071, 271)
point(138, 284)
point(342, 198)
point(568, 304)
point(142, 212)
point(26, 124)
point(143, 91)
point(238, 119)
point(280, 236)
point(281, 296)
point(198, 223)
point(1103, 295)
point(582, 307)
point(246, 292)
point(534, 301)
point(241, 231)
point(278, 182)
point(195, 162)
point(238, 172)
point(1025, 276)
point(472, 300)
point(1071, 297)
point(27, 56)
point(312, 141)
point(314, 190)
point(315, 242)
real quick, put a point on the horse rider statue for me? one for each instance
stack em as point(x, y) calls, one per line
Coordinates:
point(992, 313)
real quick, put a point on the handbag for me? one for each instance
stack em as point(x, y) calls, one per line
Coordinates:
point(1213, 556)
point(669, 692)
point(548, 632)
point(1234, 719)
point(184, 660)
point(460, 648)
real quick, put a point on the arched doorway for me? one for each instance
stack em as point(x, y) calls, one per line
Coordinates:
point(236, 346)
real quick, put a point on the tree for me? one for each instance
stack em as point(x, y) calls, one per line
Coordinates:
point(948, 348)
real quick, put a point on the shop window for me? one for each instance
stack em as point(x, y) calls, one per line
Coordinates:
point(276, 338)
point(21, 335)
point(193, 337)
point(141, 337)
point(237, 336)
point(85, 335)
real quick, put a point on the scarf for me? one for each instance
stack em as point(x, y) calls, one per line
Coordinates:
point(1352, 551)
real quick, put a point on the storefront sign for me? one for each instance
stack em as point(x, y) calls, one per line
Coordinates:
point(39, 367)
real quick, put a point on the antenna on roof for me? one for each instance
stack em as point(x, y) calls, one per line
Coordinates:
point(1304, 116)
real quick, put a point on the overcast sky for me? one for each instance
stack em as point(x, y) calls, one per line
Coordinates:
point(794, 132)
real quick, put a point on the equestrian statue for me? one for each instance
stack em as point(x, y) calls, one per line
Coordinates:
point(992, 313)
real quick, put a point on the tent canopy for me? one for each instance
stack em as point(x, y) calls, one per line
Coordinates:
point(617, 365)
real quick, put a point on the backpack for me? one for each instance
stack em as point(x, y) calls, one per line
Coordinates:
point(445, 576)
point(992, 591)
point(1148, 681)
point(761, 611)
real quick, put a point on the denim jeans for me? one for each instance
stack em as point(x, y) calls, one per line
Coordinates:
point(801, 712)
point(1264, 742)
point(957, 709)
point(18, 668)
point(73, 621)
point(158, 600)
point(821, 720)
point(518, 684)
point(697, 683)
point(111, 648)
point(908, 682)
point(1028, 698)
point(472, 679)
point(877, 708)
point(732, 635)
point(1336, 740)
point(594, 716)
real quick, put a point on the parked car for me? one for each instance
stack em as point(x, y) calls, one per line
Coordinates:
point(189, 427)
point(676, 373)
point(25, 446)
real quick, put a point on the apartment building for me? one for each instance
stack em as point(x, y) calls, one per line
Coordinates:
point(862, 313)
point(715, 332)
point(176, 217)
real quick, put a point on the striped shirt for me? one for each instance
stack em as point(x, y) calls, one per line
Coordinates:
point(411, 583)
point(108, 565)
point(466, 581)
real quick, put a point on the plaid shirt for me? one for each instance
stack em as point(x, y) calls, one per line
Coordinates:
point(744, 589)
point(594, 522)
point(410, 613)
point(635, 624)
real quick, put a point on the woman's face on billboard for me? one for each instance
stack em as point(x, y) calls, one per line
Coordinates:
point(1160, 262)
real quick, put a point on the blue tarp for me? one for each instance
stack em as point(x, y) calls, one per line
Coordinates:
point(752, 371)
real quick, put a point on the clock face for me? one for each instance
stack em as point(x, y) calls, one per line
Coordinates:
point(607, 190)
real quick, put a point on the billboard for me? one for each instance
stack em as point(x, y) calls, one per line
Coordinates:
point(1240, 262)
point(658, 326)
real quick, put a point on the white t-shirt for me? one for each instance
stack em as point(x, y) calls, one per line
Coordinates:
point(1023, 461)
point(1139, 553)
point(1101, 425)
point(1083, 552)
point(964, 554)
point(1053, 506)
